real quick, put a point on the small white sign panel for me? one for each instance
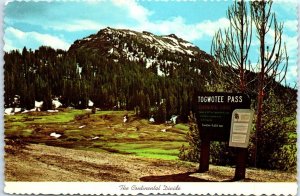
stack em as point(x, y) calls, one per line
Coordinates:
point(241, 124)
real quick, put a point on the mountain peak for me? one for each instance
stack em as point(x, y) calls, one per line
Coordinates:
point(143, 47)
point(172, 35)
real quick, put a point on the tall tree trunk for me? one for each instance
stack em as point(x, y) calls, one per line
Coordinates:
point(242, 56)
point(260, 97)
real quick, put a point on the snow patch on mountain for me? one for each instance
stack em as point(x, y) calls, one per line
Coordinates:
point(147, 37)
point(150, 50)
point(175, 41)
point(187, 44)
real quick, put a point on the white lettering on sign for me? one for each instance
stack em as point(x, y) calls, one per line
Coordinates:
point(234, 99)
point(220, 99)
point(211, 99)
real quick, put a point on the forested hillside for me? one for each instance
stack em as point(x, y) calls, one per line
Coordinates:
point(118, 69)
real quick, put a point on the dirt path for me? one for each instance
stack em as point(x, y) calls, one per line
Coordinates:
point(46, 163)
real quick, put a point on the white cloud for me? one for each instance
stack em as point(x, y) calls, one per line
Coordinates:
point(176, 25)
point(211, 27)
point(135, 10)
point(17, 39)
point(287, 5)
point(92, 1)
point(77, 25)
point(290, 25)
point(291, 75)
point(291, 43)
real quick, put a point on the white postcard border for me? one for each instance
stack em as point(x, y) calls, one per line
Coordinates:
point(113, 188)
point(126, 188)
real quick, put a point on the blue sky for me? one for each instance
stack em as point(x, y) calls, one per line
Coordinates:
point(59, 23)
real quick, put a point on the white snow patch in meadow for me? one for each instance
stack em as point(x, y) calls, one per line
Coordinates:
point(38, 104)
point(56, 135)
point(18, 110)
point(151, 120)
point(174, 119)
point(125, 119)
point(8, 111)
point(94, 138)
point(163, 130)
point(81, 126)
point(12, 111)
point(56, 103)
point(90, 104)
point(51, 111)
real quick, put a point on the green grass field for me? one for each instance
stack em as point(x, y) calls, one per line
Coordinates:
point(103, 131)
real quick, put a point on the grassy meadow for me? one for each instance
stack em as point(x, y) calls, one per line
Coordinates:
point(103, 131)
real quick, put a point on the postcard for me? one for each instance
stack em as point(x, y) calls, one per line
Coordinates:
point(150, 97)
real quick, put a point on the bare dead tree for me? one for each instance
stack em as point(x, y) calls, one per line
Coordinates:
point(273, 60)
point(231, 48)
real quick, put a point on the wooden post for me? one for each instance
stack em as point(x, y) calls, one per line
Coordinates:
point(241, 160)
point(204, 155)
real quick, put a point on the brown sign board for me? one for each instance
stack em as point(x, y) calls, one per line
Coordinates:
point(214, 112)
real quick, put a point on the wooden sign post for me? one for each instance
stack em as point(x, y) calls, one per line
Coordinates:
point(214, 116)
point(241, 123)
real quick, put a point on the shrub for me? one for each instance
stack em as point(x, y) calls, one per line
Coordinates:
point(275, 148)
point(191, 152)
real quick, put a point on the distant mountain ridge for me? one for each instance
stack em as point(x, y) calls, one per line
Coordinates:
point(158, 52)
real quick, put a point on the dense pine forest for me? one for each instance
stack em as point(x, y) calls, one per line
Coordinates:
point(46, 73)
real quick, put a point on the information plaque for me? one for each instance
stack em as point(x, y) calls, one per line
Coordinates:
point(214, 113)
point(241, 124)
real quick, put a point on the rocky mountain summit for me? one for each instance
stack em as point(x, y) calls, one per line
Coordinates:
point(163, 53)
